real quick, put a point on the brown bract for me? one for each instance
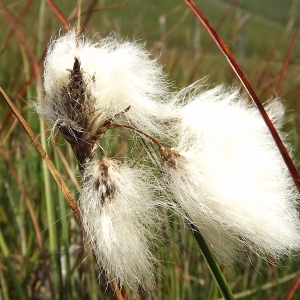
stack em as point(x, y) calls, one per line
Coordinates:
point(107, 187)
point(169, 156)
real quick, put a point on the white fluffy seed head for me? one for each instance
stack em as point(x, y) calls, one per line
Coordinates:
point(118, 210)
point(229, 180)
point(231, 177)
point(117, 74)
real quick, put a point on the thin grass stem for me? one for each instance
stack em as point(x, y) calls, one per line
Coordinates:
point(212, 265)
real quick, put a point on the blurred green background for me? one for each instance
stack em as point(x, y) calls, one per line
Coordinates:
point(41, 250)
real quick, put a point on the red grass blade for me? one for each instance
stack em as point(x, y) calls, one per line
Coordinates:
point(119, 294)
point(223, 48)
point(59, 14)
point(71, 201)
point(33, 218)
point(287, 60)
point(293, 288)
point(205, 50)
point(18, 20)
point(24, 42)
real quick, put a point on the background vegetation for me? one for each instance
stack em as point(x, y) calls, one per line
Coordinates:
point(41, 250)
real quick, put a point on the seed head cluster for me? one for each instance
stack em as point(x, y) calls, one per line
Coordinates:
point(220, 170)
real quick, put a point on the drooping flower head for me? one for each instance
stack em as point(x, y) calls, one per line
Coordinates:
point(118, 211)
point(229, 175)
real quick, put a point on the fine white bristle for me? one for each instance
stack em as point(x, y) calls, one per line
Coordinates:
point(228, 179)
point(231, 177)
point(118, 210)
point(116, 74)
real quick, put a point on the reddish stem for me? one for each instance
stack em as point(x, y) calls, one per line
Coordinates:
point(287, 60)
point(293, 288)
point(59, 14)
point(18, 20)
point(24, 42)
point(223, 48)
point(34, 220)
point(154, 140)
point(207, 47)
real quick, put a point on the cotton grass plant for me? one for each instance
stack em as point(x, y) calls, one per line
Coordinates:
point(223, 172)
point(219, 170)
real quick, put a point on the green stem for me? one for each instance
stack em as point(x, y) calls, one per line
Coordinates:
point(209, 259)
point(65, 237)
point(212, 265)
point(7, 261)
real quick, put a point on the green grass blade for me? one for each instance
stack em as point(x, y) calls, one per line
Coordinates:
point(11, 269)
point(212, 265)
point(54, 247)
point(65, 238)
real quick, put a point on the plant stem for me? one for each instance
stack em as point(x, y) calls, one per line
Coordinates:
point(212, 265)
point(236, 68)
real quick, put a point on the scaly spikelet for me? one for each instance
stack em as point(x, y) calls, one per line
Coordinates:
point(109, 76)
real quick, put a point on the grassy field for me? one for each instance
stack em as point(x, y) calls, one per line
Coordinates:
point(41, 251)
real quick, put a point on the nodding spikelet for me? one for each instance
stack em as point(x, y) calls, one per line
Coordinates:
point(88, 83)
point(229, 175)
point(118, 211)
